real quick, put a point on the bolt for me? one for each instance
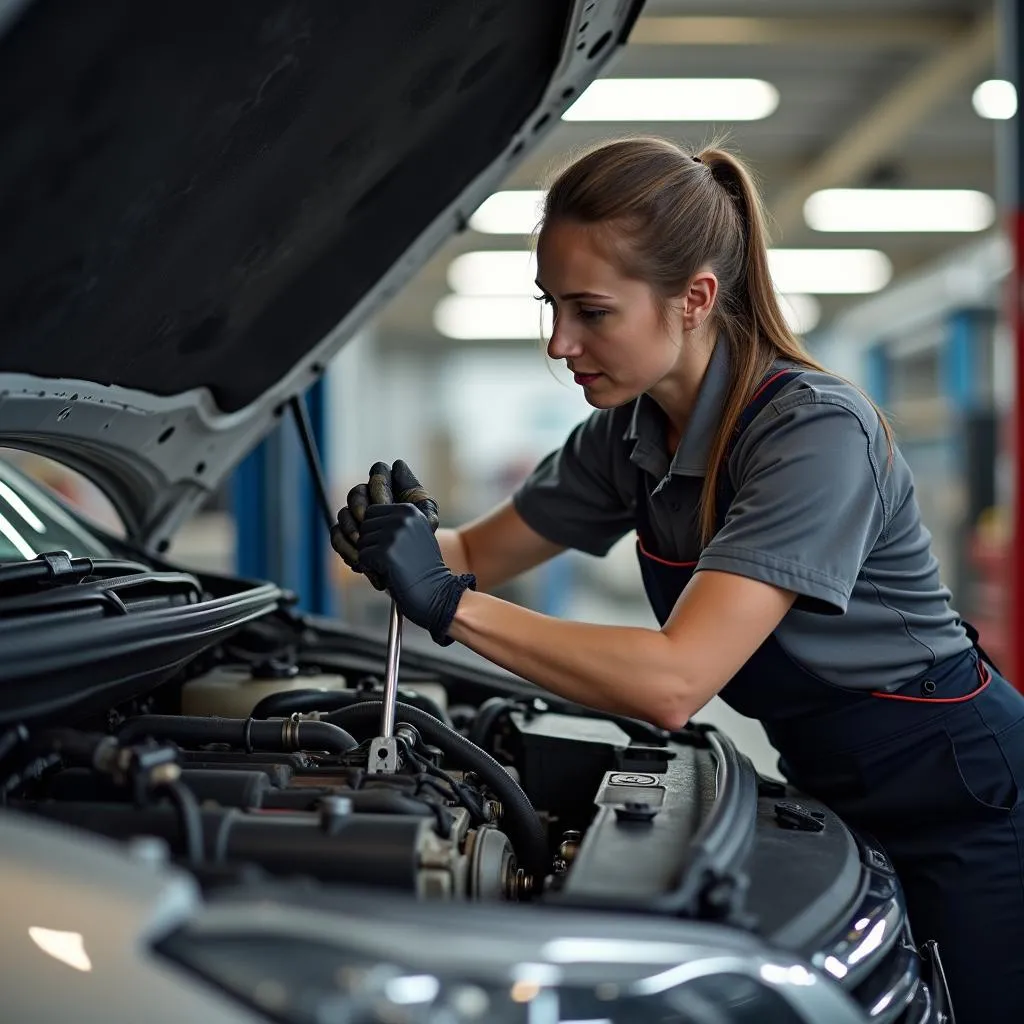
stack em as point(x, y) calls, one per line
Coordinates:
point(332, 808)
point(570, 846)
point(520, 885)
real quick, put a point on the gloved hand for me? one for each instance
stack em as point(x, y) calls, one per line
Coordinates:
point(397, 544)
point(384, 487)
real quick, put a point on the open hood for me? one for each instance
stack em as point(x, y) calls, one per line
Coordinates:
point(200, 203)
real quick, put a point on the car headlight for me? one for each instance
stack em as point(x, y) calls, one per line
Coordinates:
point(309, 981)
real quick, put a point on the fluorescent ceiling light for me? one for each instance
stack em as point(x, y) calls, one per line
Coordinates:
point(899, 209)
point(498, 272)
point(995, 99)
point(675, 99)
point(481, 318)
point(829, 271)
point(513, 212)
point(802, 312)
point(512, 274)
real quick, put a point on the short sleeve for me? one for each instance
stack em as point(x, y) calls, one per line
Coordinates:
point(578, 496)
point(809, 505)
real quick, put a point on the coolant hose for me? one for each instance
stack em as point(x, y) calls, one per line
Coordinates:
point(524, 827)
point(73, 746)
point(245, 733)
point(285, 702)
point(489, 713)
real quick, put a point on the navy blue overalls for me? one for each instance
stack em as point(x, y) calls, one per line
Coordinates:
point(934, 771)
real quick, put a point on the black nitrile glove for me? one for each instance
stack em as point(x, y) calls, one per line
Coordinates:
point(384, 487)
point(397, 544)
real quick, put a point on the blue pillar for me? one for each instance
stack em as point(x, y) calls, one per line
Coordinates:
point(876, 374)
point(959, 378)
point(280, 532)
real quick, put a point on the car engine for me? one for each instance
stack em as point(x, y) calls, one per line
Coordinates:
point(266, 769)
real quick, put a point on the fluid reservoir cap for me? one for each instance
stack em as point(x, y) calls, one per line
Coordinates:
point(273, 668)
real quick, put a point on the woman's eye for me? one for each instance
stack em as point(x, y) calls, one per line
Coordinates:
point(592, 314)
point(546, 299)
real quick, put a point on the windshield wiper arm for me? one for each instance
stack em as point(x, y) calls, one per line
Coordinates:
point(59, 567)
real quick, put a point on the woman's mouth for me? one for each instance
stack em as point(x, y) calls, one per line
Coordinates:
point(584, 379)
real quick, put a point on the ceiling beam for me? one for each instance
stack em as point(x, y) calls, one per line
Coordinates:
point(885, 125)
point(828, 30)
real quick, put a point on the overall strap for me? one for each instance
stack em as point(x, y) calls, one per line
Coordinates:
point(766, 391)
point(769, 387)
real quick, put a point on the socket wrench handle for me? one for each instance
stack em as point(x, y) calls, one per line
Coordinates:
point(387, 713)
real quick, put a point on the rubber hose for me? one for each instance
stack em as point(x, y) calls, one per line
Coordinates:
point(187, 807)
point(73, 746)
point(524, 827)
point(239, 732)
point(490, 711)
point(285, 702)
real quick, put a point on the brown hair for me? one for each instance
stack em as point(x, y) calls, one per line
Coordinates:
point(674, 214)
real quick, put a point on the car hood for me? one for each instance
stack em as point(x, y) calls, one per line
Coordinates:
point(200, 203)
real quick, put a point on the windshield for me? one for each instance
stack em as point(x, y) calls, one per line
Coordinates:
point(32, 522)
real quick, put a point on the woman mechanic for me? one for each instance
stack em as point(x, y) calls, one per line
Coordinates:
point(780, 542)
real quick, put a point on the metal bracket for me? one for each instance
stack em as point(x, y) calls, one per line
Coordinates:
point(383, 759)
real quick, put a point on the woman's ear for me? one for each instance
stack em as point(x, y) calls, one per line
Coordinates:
point(698, 300)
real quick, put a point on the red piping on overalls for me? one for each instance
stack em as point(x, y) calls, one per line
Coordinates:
point(690, 565)
point(663, 561)
point(983, 674)
point(774, 376)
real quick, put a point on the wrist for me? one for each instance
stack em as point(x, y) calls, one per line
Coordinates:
point(461, 623)
point(441, 626)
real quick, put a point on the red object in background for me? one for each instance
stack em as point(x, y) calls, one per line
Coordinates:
point(1015, 555)
point(990, 593)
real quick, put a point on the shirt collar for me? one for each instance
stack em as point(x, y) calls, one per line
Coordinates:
point(647, 424)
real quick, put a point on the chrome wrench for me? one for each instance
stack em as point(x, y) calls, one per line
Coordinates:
point(383, 759)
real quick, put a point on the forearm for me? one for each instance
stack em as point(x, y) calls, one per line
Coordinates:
point(453, 551)
point(625, 670)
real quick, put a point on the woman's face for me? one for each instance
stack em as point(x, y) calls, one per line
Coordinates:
point(607, 327)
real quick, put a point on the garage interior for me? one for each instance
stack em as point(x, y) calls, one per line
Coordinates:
point(900, 95)
point(885, 139)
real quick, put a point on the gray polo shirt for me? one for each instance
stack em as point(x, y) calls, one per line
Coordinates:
point(818, 510)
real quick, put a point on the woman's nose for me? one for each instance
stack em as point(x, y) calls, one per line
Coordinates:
point(563, 345)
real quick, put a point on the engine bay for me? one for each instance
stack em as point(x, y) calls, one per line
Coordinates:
point(266, 768)
point(258, 756)
point(251, 770)
point(263, 750)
